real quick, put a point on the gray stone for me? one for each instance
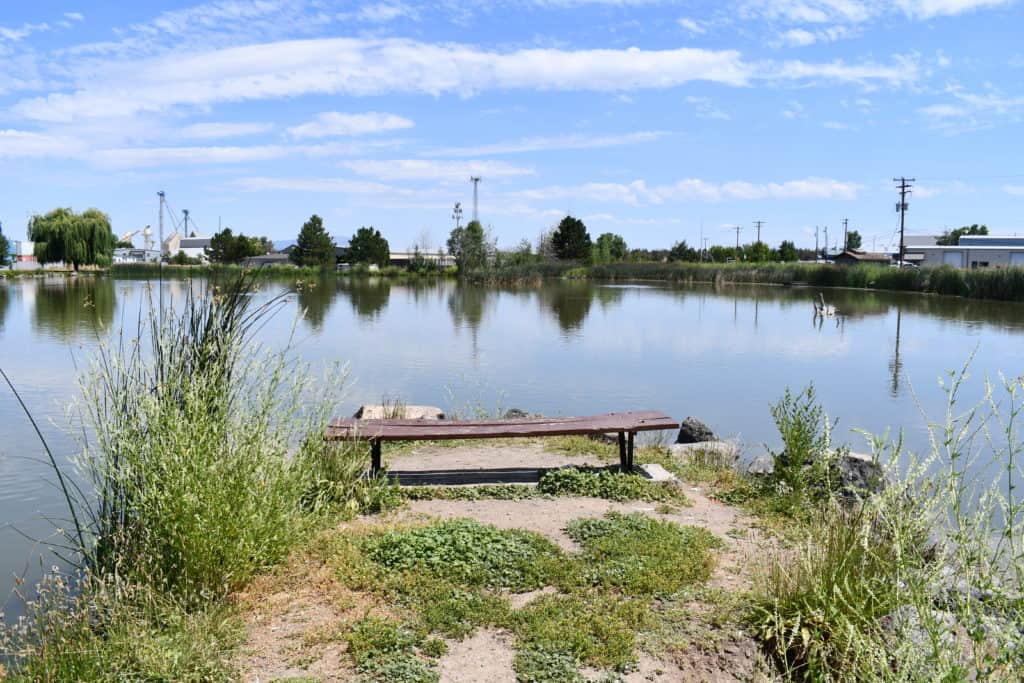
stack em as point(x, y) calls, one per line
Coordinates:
point(656, 472)
point(859, 474)
point(517, 414)
point(762, 465)
point(403, 412)
point(693, 430)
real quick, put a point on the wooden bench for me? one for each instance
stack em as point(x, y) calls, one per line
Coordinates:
point(376, 431)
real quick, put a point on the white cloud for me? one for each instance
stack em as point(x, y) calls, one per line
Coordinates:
point(706, 108)
point(213, 130)
point(363, 67)
point(545, 144)
point(74, 16)
point(927, 9)
point(16, 144)
point(794, 110)
point(943, 111)
point(383, 12)
point(836, 125)
point(691, 25)
point(136, 157)
point(25, 30)
point(333, 123)
point(421, 169)
point(1015, 190)
point(331, 185)
point(798, 37)
point(696, 189)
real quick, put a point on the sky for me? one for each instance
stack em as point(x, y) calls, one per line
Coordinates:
point(657, 120)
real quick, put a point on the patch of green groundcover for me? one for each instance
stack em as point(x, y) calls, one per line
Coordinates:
point(448, 578)
point(603, 482)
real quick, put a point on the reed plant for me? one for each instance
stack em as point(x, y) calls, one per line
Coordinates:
point(923, 579)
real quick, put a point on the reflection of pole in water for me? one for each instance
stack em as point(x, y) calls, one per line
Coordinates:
point(756, 302)
point(896, 365)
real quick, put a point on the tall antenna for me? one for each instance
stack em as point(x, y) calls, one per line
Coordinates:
point(903, 185)
point(817, 249)
point(476, 209)
point(185, 211)
point(846, 242)
point(758, 225)
point(826, 241)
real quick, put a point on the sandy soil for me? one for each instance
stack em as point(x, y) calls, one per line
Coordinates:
point(287, 628)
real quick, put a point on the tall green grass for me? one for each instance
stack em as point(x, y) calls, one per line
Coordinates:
point(992, 283)
point(922, 580)
point(206, 461)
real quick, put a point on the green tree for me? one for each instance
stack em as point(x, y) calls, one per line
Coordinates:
point(226, 247)
point(681, 251)
point(720, 254)
point(5, 250)
point(756, 252)
point(470, 246)
point(609, 247)
point(571, 239)
point(853, 240)
point(83, 239)
point(951, 238)
point(787, 251)
point(314, 246)
point(368, 246)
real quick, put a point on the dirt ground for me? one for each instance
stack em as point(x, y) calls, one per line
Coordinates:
point(287, 630)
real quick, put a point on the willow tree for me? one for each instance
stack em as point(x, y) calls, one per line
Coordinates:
point(83, 239)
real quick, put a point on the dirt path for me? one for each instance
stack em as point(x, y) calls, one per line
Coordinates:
point(287, 626)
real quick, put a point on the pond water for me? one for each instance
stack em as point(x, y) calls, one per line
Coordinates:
point(721, 354)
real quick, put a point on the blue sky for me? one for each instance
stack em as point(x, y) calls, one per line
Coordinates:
point(644, 117)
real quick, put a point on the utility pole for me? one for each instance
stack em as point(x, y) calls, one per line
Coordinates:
point(846, 222)
point(817, 249)
point(457, 215)
point(758, 224)
point(826, 241)
point(476, 181)
point(700, 241)
point(903, 185)
point(737, 229)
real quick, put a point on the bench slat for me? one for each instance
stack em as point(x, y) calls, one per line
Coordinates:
point(433, 430)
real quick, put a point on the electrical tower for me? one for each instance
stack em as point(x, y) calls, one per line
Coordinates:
point(758, 225)
point(903, 185)
point(846, 243)
point(476, 208)
point(185, 212)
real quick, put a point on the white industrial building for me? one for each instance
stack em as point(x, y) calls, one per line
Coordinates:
point(972, 251)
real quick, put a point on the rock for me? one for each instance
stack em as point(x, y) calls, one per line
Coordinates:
point(404, 412)
point(656, 472)
point(517, 414)
point(762, 465)
point(693, 430)
point(859, 474)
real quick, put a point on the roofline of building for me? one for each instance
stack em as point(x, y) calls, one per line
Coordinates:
point(973, 247)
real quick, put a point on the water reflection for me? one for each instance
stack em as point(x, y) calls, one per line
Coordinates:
point(5, 302)
point(368, 296)
point(70, 307)
point(467, 305)
point(570, 301)
point(315, 298)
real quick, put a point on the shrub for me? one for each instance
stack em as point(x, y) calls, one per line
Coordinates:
point(609, 484)
point(804, 466)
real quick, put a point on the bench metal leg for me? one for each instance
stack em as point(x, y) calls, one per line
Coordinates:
point(623, 455)
point(630, 449)
point(375, 457)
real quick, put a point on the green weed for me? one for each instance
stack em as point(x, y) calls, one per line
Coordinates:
point(609, 484)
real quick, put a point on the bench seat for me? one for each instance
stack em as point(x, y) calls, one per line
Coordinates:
point(377, 431)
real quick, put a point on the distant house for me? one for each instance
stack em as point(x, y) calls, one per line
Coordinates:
point(852, 257)
point(125, 255)
point(972, 251)
point(194, 247)
point(405, 258)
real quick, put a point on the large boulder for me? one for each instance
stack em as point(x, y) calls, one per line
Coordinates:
point(693, 430)
point(859, 475)
point(369, 412)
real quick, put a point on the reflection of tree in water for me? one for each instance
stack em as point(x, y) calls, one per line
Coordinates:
point(5, 302)
point(467, 304)
point(369, 296)
point(315, 299)
point(570, 301)
point(68, 307)
point(896, 364)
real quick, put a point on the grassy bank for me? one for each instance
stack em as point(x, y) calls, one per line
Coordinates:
point(148, 271)
point(991, 283)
